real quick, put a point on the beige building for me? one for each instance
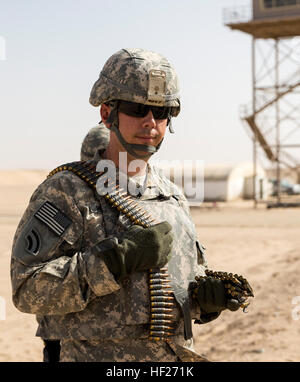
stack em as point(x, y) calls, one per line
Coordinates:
point(217, 182)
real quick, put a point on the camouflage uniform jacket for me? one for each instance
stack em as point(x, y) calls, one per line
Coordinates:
point(70, 288)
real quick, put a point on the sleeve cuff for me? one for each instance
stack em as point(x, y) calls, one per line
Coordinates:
point(207, 317)
point(98, 276)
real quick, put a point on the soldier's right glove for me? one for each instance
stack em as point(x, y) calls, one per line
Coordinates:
point(139, 249)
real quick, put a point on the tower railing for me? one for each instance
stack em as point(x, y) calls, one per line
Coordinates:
point(237, 14)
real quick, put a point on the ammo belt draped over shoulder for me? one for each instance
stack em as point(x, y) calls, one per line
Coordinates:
point(161, 294)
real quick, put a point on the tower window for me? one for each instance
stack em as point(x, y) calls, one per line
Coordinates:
point(280, 3)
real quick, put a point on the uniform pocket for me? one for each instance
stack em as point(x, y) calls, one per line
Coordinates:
point(136, 304)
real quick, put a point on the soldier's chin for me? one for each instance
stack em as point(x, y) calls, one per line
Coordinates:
point(145, 154)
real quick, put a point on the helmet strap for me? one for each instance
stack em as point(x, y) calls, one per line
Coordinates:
point(131, 148)
point(171, 130)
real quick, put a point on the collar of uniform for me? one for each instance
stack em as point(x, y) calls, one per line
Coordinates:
point(156, 179)
point(157, 184)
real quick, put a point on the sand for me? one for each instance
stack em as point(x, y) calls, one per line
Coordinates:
point(262, 245)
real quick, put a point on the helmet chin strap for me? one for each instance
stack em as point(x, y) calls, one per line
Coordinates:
point(171, 130)
point(131, 148)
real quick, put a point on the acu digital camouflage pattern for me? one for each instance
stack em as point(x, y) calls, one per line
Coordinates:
point(128, 350)
point(97, 138)
point(126, 76)
point(70, 288)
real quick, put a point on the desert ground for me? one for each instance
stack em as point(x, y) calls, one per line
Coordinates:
point(260, 244)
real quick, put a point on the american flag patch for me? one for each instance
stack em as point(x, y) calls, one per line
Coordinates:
point(53, 218)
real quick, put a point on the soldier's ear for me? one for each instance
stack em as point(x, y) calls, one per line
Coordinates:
point(104, 113)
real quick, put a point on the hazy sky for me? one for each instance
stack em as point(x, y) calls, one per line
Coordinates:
point(56, 49)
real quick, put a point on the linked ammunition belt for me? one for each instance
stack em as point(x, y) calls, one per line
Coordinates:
point(237, 287)
point(162, 299)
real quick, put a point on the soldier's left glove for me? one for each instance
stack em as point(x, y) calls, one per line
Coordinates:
point(140, 249)
point(212, 297)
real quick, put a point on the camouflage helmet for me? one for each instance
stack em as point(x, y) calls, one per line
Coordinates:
point(140, 76)
point(97, 138)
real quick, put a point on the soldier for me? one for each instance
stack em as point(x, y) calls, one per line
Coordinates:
point(97, 138)
point(107, 270)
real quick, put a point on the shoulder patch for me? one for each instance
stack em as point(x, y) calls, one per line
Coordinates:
point(56, 220)
point(33, 241)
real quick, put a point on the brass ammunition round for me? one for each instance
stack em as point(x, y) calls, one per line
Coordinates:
point(126, 206)
point(139, 215)
point(163, 304)
point(142, 214)
point(161, 310)
point(159, 333)
point(113, 197)
point(124, 198)
point(158, 280)
point(161, 316)
point(159, 286)
point(161, 322)
point(158, 275)
point(161, 298)
point(130, 202)
point(160, 292)
point(120, 196)
point(161, 327)
point(147, 217)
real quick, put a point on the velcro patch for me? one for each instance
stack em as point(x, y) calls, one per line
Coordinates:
point(33, 242)
point(50, 215)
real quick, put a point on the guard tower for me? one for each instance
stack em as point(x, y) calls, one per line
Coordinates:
point(273, 117)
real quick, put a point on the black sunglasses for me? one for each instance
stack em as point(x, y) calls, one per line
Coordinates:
point(140, 110)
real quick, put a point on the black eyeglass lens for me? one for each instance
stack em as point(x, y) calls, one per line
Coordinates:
point(140, 110)
point(160, 112)
point(133, 109)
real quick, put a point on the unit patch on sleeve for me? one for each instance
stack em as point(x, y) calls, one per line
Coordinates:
point(50, 215)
